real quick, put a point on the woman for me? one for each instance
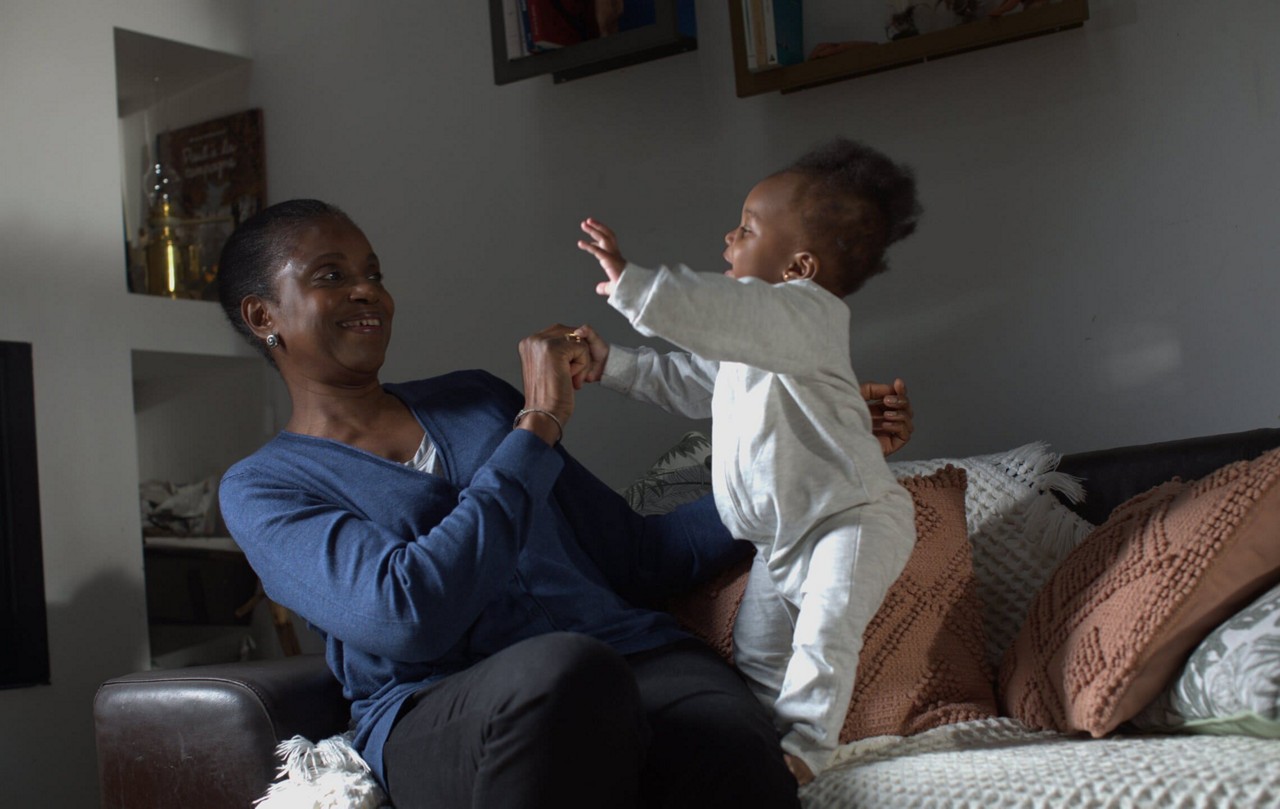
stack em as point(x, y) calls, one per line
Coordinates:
point(488, 605)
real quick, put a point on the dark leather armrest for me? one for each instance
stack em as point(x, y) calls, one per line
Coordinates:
point(205, 736)
point(1112, 476)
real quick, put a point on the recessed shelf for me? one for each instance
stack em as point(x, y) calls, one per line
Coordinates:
point(163, 86)
point(864, 59)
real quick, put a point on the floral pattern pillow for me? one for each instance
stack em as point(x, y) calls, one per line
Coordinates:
point(681, 475)
point(1231, 682)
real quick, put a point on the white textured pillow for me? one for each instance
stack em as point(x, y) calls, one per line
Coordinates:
point(1019, 529)
point(1231, 682)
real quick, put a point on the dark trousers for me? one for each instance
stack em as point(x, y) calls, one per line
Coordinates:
point(564, 721)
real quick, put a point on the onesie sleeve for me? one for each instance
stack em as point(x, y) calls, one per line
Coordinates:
point(359, 580)
point(782, 328)
point(678, 382)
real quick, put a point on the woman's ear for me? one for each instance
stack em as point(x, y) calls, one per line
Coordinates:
point(256, 315)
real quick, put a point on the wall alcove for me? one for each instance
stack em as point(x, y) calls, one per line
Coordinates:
point(202, 397)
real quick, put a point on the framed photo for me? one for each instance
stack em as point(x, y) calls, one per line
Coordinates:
point(570, 39)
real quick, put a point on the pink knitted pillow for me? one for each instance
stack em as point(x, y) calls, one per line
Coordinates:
point(922, 663)
point(1125, 608)
point(709, 610)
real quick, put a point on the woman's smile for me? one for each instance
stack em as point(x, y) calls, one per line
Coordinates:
point(366, 324)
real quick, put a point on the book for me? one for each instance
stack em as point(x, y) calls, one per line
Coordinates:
point(686, 19)
point(788, 27)
point(221, 165)
point(770, 36)
point(759, 43)
point(513, 28)
point(559, 23)
point(774, 33)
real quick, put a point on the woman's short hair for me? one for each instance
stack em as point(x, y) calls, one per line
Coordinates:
point(855, 202)
point(256, 248)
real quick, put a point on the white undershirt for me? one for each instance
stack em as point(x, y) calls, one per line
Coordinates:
point(425, 459)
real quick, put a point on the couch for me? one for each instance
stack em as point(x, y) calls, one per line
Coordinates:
point(206, 736)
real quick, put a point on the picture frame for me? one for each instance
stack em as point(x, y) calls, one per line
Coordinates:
point(669, 29)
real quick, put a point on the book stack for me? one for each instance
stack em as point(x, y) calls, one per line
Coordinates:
point(774, 32)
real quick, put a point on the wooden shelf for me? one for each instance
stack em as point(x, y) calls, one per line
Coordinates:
point(863, 59)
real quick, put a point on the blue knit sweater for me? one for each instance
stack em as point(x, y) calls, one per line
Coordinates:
point(410, 577)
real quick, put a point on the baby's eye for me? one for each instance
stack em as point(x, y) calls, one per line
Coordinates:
point(376, 276)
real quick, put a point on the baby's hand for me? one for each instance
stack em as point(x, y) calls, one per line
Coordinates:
point(604, 246)
point(598, 353)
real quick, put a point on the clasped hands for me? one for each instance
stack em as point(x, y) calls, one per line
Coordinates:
point(555, 362)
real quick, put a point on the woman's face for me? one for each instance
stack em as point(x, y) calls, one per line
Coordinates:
point(332, 312)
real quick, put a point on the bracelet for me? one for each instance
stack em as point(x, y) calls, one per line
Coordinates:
point(526, 411)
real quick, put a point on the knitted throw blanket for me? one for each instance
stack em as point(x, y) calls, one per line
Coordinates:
point(953, 765)
point(328, 774)
point(998, 764)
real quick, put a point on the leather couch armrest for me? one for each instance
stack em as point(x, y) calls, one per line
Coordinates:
point(205, 736)
point(1112, 476)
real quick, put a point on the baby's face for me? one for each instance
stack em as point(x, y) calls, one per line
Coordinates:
point(765, 243)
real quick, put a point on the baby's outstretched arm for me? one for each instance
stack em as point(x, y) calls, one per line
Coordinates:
point(604, 246)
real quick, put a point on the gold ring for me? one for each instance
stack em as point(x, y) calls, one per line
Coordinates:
point(573, 337)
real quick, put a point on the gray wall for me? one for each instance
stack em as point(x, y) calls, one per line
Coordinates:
point(61, 243)
point(1096, 264)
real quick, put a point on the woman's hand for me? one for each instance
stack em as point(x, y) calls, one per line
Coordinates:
point(604, 246)
point(553, 363)
point(892, 419)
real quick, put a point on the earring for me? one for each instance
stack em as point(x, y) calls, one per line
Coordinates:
point(273, 340)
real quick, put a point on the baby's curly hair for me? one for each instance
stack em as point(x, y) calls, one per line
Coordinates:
point(855, 202)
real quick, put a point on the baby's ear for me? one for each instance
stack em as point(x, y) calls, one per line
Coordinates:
point(803, 265)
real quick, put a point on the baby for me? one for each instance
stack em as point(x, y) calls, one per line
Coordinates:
point(796, 467)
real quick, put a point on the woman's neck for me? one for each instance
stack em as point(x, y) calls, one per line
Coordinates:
point(366, 417)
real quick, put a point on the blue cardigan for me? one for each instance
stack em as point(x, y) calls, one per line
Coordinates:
point(410, 577)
